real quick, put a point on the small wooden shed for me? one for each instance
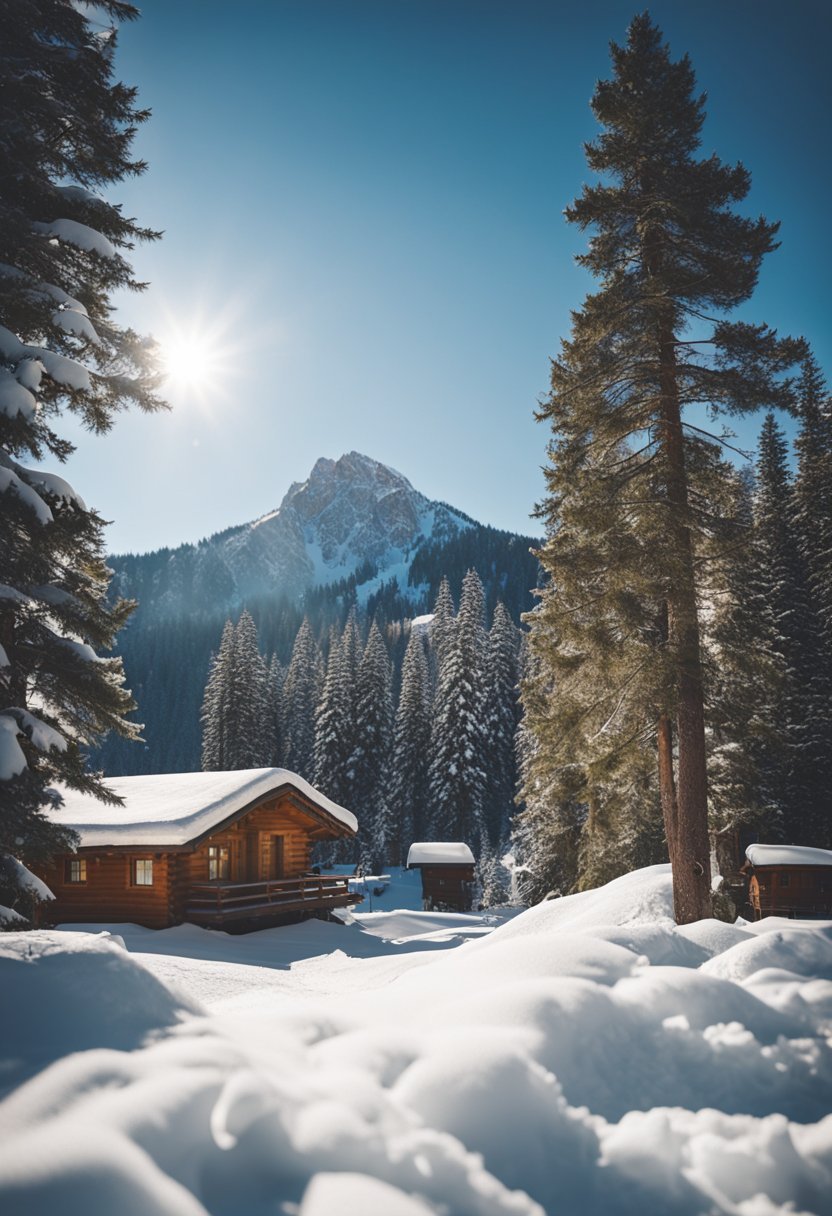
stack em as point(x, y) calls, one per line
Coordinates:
point(447, 868)
point(788, 880)
point(229, 850)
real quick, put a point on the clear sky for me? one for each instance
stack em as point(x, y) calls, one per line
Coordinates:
point(362, 203)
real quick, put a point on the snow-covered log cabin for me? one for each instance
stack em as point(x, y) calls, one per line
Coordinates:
point(447, 868)
point(788, 880)
point(230, 850)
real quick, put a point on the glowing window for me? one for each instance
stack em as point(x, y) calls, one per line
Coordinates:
point(219, 861)
point(76, 870)
point(143, 872)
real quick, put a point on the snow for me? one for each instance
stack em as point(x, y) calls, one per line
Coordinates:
point(787, 855)
point(550, 1066)
point(79, 235)
point(15, 398)
point(9, 480)
point(12, 759)
point(73, 321)
point(4, 658)
point(26, 880)
point(440, 853)
point(174, 808)
point(57, 486)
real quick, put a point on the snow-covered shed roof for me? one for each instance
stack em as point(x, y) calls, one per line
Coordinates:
point(175, 809)
point(787, 855)
point(440, 853)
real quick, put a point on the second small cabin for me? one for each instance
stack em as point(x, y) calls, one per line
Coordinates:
point(788, 880)
point(447, 868)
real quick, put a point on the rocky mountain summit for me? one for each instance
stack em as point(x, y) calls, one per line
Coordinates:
point(352, 516)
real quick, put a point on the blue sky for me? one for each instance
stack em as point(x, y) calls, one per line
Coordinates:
point(362, 203)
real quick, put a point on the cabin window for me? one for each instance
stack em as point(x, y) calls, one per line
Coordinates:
point(143, 872)
point(783, 879)
point(219, 861)
point(76, 870)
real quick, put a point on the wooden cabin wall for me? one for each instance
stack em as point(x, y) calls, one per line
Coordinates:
point(109, 896)
point(275, 818)
point(449, 885)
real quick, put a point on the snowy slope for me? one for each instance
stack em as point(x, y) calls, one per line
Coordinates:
point(351, 515)
point(587, 1057)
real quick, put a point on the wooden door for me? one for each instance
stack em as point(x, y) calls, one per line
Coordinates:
point(252, 857)
point(272, 856)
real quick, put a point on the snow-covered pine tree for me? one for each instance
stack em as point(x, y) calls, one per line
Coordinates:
point(333, 724)
point(745, 676)
point(369, 764)
point(620, 624)
point(254, 737)
point(274, 709)
point(66, 132)
point(441, 629)
point(797, 773)
point(411, 751)
point(301, 693)
point(457, 766)
point(502, 714)
point(236, 723)
point(216, 703)
point(812, 514)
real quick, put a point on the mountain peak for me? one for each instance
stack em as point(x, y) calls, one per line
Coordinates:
point(351, 514)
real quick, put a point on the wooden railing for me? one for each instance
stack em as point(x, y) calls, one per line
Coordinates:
point(220, 900)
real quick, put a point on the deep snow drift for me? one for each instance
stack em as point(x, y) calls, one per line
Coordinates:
point(584, 1057)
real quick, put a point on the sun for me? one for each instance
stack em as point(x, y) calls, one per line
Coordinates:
point(191, 360)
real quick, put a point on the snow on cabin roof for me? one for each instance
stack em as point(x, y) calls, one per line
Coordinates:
point(176, 808)
point(440, 853)
point(787, 855)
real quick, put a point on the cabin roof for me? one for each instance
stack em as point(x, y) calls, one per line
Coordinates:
point(787, 855)
point(440, 853)
point(176, 809)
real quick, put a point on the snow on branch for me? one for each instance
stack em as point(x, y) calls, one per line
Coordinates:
point(71, 232)
point(15, 722)
point(9, 480)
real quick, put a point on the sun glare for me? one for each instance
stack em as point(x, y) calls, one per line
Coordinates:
point(191, 361)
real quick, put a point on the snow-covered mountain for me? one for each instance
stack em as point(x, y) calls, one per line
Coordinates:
point(352, 516)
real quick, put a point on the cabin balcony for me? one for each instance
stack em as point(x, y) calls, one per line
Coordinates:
point(219, 902)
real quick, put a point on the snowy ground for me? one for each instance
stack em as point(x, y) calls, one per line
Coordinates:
point(583, 1057)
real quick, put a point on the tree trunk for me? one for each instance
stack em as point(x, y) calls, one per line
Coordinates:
point(689, 851)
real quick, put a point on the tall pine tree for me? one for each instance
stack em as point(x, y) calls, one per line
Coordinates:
point(301, 692)
point(411, 751)
point(631, 479)
point(458, 763)
point(236, 712)
point(67, 127)
point(368, 769)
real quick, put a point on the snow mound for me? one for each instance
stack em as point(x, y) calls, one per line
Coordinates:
point(66, 992)
point(586, 1057)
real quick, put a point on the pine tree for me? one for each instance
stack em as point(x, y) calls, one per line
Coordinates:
point(745, 678)
point(274, 710)
point(236, 723)
point(812, 523)
point(441, 628)
point(369, 764)
point(216, 704)
point(500, 722)
point(411, 751)
point(333, 725)
point(632, 484)
point(457, 768)
point(67, 128)
point(301, 693)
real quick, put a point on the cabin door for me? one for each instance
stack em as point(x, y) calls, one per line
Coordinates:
point(273, 856)
point(265, 856)
point(252, 857)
